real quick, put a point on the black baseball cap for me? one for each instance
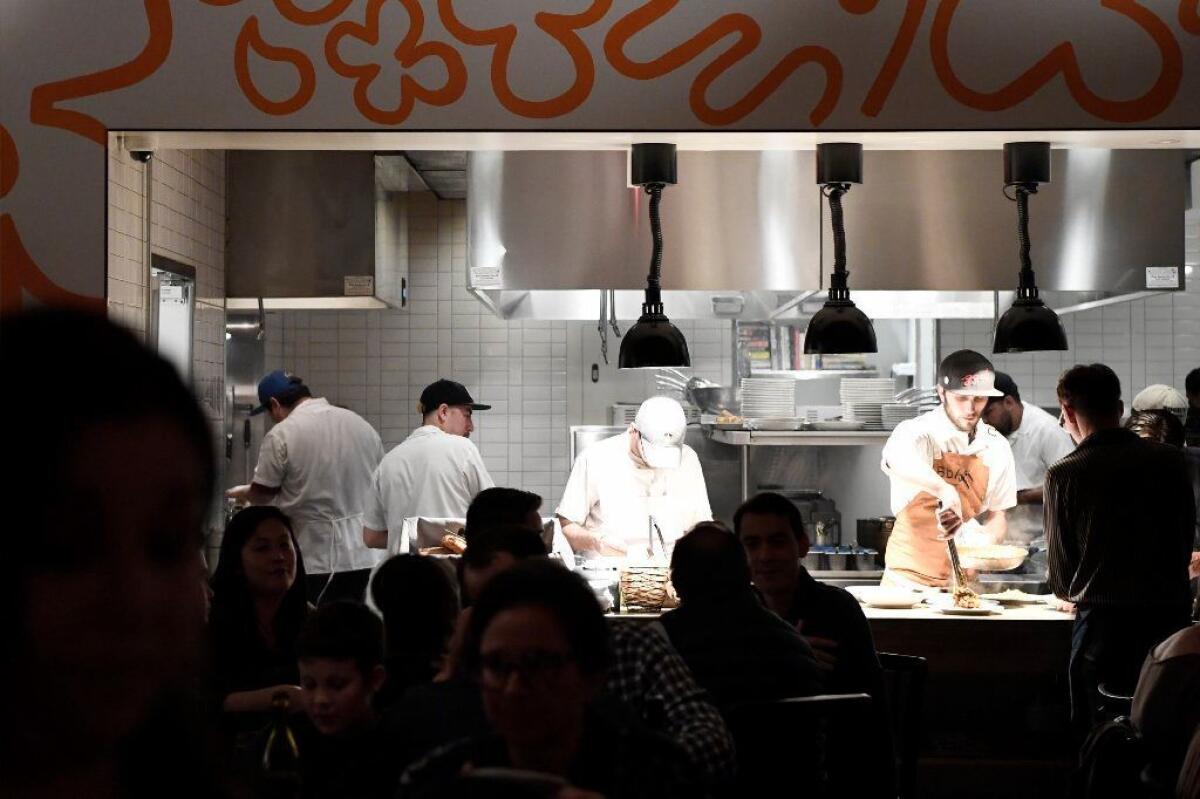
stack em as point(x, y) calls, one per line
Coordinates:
point(447, 392)
point(968, 372)
point(1007, 386)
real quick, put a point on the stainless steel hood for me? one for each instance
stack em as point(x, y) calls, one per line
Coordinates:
point(317, 229)
point(930, 234)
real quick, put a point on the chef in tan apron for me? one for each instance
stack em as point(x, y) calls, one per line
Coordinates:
point(949, 472)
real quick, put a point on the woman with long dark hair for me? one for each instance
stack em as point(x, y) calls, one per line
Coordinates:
point(258, 607)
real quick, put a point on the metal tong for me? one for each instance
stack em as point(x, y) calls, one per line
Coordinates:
point(959, 576)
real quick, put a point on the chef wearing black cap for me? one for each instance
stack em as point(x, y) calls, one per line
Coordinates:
point(435, 472)
point(947, 467)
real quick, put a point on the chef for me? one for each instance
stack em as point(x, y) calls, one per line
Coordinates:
point(1037, 441)
point(948, 471)
point(634, 494)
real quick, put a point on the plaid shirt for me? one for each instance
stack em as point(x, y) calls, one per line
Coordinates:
point(652, 681)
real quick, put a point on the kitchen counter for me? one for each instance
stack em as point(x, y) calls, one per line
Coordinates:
point(1026, 613)
point(996, 710)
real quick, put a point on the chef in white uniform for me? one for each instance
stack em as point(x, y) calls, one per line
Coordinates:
point(1037, 441)
point(625, 491)
point(315, 465)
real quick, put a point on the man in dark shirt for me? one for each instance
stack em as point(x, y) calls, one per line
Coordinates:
point(829, 618)
point(1119, 521)
point(738, 650)
point(1191, 387)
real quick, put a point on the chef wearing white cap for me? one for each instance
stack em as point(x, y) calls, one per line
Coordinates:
point(634, 494)
point(947, 468)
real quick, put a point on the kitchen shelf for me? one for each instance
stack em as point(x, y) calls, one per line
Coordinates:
point(799, 438)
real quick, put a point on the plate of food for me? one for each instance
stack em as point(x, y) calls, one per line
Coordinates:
point(728, 421)
point(964, 602)
point(1016, 597)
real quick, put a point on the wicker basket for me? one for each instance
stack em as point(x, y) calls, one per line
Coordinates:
point(643, 588)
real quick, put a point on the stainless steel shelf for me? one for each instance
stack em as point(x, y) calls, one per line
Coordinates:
point(799, 438)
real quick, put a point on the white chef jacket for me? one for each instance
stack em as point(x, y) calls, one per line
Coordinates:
point(929, 460)
point(1036, 444)
point(431, 473)
point(613, 497)
point(321, 458)
point(916, 445)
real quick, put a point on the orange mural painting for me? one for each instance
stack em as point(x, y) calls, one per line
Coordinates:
point(1189, 16)
point(21, 275)
point(1062, 60)
point(881, 89)
point(562, 28)
point(408, 53)
point(327, 13)
point(10, 164)
point(250, 39)
point(748, 34)
point(43, 103)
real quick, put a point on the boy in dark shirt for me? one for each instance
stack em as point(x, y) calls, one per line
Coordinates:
point(343, 752)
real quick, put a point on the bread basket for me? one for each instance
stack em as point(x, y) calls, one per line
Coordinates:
point(643, 588)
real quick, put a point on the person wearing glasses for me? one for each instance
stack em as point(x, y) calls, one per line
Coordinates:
point(539, 649)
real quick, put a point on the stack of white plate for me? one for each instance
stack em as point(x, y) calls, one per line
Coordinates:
point(764, 397)
point(863, 399)
point(896, 412)
point(869, 413)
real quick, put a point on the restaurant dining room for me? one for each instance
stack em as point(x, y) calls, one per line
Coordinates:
point(601, 398)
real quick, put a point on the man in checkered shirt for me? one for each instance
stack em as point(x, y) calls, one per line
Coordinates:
point(650, 679)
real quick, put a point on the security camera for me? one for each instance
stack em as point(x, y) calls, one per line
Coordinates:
point(141, 156)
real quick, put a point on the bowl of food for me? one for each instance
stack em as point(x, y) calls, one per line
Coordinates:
point(992, 557)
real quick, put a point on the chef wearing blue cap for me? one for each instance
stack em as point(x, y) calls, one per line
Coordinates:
point(315, 465)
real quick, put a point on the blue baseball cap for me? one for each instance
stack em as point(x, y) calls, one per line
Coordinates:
point(272, 386)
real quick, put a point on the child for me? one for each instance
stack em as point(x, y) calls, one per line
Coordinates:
point(344, 753)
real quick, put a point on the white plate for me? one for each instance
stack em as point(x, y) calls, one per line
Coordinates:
point(884, 604)
point(980, 611)
point(838, 426)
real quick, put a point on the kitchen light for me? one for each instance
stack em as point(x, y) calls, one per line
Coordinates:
point(1028, 325)
point(839, 327)
point(653, 342)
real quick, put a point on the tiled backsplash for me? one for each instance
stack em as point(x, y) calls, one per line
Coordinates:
point(531, 372)
point(1153, 340)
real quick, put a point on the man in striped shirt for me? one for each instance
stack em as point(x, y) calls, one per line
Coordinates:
point(1118, 516)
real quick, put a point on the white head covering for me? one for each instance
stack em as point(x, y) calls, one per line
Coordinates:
point(662, 425)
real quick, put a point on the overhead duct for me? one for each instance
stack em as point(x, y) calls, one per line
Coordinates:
point(932, 237)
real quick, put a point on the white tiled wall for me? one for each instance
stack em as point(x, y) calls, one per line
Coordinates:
point(377, 362)
point(187, 225)
point(531, 372)
point(1155, 340)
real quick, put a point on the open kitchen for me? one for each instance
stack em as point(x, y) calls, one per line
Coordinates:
point(899, 337)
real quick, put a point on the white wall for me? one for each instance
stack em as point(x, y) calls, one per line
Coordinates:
point(187, 225)
point(1156, 340)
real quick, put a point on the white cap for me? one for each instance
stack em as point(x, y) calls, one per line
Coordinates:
point(662, 426)
point(1159, 397)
